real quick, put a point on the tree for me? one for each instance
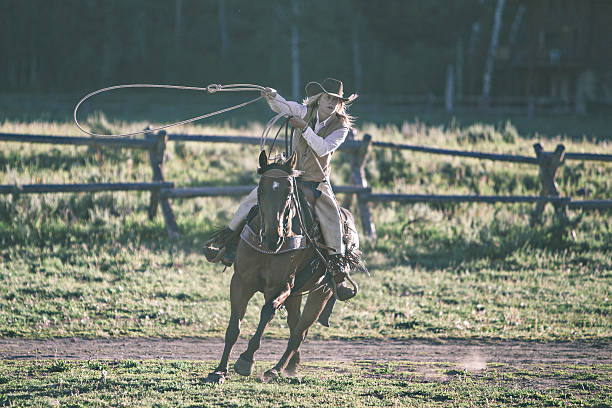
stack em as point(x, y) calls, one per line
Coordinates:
point(486, 81)
point(223, 30)
point(295, 51)
point(178, 25)
point(357, 65)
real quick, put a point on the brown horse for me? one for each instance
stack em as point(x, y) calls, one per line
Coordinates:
point(270, 270)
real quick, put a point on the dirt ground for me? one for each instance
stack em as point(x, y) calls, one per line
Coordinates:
point(471, 354)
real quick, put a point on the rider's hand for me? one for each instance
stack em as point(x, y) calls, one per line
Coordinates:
point(268, 93)
point(297, 122)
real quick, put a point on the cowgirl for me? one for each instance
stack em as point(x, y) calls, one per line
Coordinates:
point(321, 125)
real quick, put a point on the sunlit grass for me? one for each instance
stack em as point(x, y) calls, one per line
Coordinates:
point(170, 383)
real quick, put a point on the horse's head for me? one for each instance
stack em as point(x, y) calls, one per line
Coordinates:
point(274, 194)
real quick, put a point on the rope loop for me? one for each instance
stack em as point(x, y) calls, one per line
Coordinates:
point(211, 89)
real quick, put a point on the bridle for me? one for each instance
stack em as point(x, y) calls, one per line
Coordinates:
point(276, 173)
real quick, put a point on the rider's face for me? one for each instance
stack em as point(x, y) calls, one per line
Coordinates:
point(327, 105)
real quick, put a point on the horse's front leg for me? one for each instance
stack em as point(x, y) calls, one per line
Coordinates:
point(239, 297)
point(293, 304)
point(312, 309)
point(244, 364)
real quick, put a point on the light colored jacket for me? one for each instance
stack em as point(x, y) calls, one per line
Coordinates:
point(314, 150)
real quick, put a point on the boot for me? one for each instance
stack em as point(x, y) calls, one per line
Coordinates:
point(221, 247)
point(229, 255)
point(344, 292)
point(339, 272)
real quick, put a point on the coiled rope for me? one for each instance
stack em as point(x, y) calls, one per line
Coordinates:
point(211, 89)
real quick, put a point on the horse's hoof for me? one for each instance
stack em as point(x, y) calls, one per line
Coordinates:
point(243, 367)
point(271, 375)
point(216, 377)
point(291, 372)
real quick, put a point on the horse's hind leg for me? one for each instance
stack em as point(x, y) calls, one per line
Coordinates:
point(292, 304)
point(239, 296)
point(312, 309)
point(244, 364)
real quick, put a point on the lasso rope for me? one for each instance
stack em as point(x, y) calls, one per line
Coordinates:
point(212, 88)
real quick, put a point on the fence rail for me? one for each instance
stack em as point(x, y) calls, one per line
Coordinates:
point(162, 191)
point(590, 204)
point(214, 191)
point(424, 198)
point(77, 141)
point(491, 156)
point(462, 153)
point(82, 188)
point(349, 145)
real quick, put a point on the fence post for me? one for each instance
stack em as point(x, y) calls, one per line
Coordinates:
point(156, 157)
point(549, 164)
point(359, 179)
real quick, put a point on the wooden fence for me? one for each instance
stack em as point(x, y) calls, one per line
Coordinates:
point(358, 152)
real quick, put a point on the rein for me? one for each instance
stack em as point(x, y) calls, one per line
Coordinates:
point(288, 141)
point(295, 197)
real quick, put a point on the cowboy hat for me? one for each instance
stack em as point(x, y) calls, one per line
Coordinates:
point(331, 87)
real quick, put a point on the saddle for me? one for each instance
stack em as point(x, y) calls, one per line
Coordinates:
point(307, 195)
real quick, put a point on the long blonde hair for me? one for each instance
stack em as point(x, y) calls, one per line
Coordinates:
point(347, 120)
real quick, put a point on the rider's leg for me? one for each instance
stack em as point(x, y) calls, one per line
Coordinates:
point(223, 245)
point(328, 213)
point(243, 209)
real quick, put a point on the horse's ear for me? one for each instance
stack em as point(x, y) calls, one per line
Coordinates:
point(293, 161)
point(263, 159)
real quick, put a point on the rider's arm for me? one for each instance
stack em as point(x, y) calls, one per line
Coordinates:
point(325, 146)
point(279, 105)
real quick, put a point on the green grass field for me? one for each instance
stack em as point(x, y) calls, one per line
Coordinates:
point(130, 383)
point(93, 265)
